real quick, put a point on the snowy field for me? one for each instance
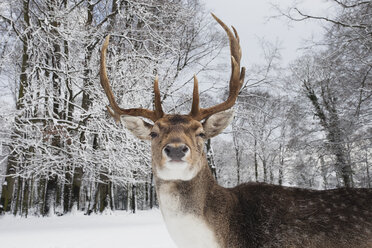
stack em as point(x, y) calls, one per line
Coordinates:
point(119, 229)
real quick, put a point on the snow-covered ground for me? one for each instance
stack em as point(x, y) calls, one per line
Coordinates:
point(120, 229)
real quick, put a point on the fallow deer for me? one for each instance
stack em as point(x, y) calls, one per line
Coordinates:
point(200, 213)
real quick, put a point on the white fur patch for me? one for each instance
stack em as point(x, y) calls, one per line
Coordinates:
point(172, 170)
point(187, 230)
point(177, 171)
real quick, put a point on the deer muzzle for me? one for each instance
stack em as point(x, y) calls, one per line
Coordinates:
point(176, 152)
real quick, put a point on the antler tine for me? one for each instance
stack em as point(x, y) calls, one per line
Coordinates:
point(195, 98)
point(236, 79)
point(158, 109)
point(116, 111)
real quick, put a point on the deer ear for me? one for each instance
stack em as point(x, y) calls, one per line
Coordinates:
point(216, 123)
point(138, 127)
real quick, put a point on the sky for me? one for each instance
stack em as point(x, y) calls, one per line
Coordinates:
point(252, 20)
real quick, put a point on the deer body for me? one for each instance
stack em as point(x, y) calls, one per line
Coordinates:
point(262, 215)
point(201, 214)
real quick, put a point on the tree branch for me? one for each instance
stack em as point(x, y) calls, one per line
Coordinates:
point(305, 17)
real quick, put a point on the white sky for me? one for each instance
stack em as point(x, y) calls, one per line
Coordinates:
point(250, 18)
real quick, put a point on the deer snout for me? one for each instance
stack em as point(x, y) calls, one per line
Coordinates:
point(176, 152)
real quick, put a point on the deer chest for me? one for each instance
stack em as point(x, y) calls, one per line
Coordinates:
point(187, 230)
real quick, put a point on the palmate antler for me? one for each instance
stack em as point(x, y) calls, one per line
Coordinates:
point(197, 113)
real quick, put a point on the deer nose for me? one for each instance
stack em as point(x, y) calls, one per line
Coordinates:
point(175, 152)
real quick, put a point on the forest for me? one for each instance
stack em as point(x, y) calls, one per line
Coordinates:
point(308, 124)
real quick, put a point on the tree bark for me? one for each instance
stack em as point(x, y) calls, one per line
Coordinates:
point(367, 171)
point(152, 191)
point(281, 165)
point(67, 187)
point(255, 160)
point(50, 196)
point(264, 166)
point(237, 158)
point(18, 196)
point(210, 158)
point(331, 124)
point(76, 187)
point(8, 187)
point(25, 200)
point(134, 198)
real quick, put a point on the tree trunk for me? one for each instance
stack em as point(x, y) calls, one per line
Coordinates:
point(85, 104)
point(324, 173)
point(343, 167)
point(281, 165)
point(331, 123)
point(264, 166)
point(32, 194)
point(67, 192)
point(103, 194)
point(25, 200)
point(152, 191)
point(18, 196)
point(147, 197)
point(8, 187)
point(134, 198)
point(128, 189)
point(367, 171)
point(210, 158)
point(237, 158)
point(76, 187)
point(50, 196)
point(255, 160)
point(41, 195)
point(271, 173)
point(23, 77)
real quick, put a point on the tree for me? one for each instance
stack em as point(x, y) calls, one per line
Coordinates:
point(336, 78)
point(64, 149)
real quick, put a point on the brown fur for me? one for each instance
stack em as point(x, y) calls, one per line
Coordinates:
point(256, 214)
point(262, 215)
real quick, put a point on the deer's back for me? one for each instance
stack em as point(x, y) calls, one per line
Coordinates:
point(275, 216)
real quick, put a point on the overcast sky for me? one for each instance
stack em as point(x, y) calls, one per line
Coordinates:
point(250, 18)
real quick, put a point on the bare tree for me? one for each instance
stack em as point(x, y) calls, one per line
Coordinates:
point(337, 79)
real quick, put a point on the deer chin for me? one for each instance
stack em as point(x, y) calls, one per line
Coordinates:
point(176, 170)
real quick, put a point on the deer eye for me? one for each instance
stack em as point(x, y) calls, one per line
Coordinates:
point(201, 135)
point(153, 135)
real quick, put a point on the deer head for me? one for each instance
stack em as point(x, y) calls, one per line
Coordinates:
point(177, 140)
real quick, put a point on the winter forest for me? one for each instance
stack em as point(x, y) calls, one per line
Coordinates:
point(306, 124)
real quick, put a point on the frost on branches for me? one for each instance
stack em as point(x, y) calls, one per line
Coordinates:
point(61, 147)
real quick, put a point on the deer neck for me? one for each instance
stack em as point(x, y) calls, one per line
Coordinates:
point(176, 197)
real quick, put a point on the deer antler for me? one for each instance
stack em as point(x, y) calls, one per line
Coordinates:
point(116, 111)
point(236, 79)
point(197, 113)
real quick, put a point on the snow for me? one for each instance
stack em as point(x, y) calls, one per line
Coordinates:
point(118, 229)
